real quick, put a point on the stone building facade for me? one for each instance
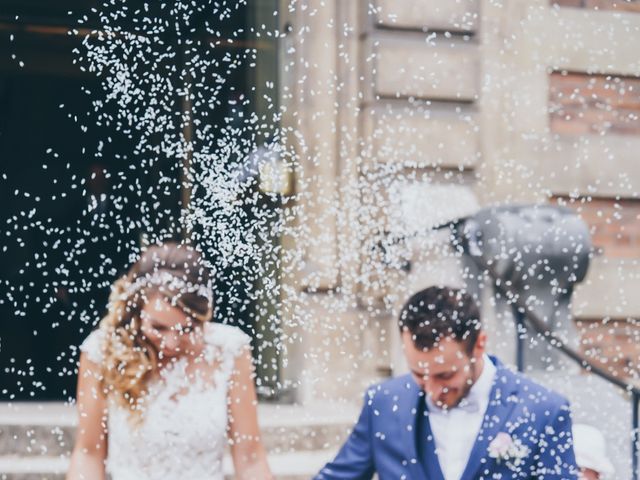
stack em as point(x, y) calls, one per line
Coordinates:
point(463, 104)
point(407, 114)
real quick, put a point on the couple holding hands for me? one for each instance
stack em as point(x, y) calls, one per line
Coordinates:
point(162, 392)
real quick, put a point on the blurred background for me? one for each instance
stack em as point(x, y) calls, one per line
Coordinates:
point(403, 116)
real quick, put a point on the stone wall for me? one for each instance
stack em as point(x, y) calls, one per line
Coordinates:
point(614, 224)
point(476, 102)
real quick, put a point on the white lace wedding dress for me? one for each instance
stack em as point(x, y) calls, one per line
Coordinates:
point(183, 430)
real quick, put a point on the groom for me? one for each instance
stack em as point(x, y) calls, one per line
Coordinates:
point(459, 414)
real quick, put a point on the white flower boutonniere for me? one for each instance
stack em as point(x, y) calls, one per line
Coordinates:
point(505, 448)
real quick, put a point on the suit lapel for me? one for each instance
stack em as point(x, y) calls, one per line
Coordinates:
point(409, 403)
point(431, 464)
point(500, 409)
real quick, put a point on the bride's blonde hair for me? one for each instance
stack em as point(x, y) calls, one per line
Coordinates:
point(175, 273)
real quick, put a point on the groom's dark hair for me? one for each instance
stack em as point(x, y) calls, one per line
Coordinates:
point(436, 313)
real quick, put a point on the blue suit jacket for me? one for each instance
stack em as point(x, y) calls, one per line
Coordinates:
point(384, 439)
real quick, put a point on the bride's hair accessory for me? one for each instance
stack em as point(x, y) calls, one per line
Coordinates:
point(162, 278)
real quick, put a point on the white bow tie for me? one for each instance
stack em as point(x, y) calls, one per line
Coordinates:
point(469, 404)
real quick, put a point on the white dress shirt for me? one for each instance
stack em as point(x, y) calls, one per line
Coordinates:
point(455, 430)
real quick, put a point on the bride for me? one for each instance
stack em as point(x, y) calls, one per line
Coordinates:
point(161, 390)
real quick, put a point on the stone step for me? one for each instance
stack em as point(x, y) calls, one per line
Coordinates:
point(35, 439)
point(284, 466)
point(47, 430)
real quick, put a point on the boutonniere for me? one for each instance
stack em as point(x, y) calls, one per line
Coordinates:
point(508, 449)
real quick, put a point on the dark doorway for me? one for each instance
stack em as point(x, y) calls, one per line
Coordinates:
point(71, 194)
point(59, 247)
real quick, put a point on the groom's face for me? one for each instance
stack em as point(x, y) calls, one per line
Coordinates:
point(447, 371)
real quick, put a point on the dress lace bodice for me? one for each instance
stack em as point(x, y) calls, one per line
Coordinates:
point(183, 431)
